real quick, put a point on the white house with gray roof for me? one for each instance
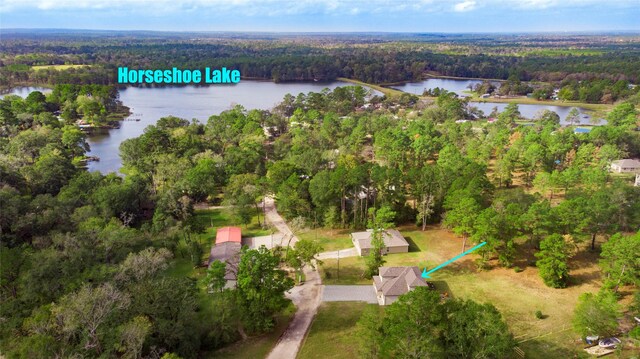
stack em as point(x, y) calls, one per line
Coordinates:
point(625, 166)
point(393, 282)
point(394, 242)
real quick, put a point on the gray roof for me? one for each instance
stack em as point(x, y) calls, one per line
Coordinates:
point(396, 281)
point(391, 238)
point(228, 253)
point(627, 163)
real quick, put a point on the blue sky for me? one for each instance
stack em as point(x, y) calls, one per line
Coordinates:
point(325, 15)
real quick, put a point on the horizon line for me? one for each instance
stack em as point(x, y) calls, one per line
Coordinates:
point(557, 32)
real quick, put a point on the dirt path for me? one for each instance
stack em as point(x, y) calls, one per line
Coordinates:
point(306, 297)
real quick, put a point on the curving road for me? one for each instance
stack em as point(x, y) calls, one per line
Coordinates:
point(306, 297)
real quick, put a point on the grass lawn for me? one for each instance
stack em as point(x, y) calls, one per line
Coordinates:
point(385, 90)
point(516, 295)
point(212, 219)
point(259, 346)
point(330, 239)
point(57, 67)
point(523, 100)
point(333, 331)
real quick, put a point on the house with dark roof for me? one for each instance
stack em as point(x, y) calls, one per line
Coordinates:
point(394, 242)
point(393, 282)
point(227, 250)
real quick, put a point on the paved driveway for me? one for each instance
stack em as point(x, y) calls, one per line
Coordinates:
point(349, 293)
point(344, 253)
point(268, 241)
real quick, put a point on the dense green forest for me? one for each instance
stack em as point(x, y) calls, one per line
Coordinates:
point(603, 66)
point(87, 258)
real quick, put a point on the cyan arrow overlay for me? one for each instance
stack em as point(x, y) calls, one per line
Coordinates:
point(425, 274)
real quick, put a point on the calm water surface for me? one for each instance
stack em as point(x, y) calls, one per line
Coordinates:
point(533, 111)
point(453, 85)
point(24, 91)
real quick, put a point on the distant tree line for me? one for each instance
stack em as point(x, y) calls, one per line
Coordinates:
point(283, 60)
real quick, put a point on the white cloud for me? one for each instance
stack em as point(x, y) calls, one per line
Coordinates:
point(275, 7)
point(540, 4)
point(465, 6)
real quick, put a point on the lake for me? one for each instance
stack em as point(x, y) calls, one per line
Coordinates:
point(188, 102)
point(453, 85)
point(531, 111)
point(460, 85)
point(24, 91)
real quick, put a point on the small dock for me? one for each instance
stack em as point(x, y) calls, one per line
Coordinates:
point(87, 159)
point(599, 351)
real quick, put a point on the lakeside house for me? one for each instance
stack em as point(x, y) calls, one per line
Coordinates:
point(626, 165)
point(227, 250)
point(393, 282)
point(394, 242)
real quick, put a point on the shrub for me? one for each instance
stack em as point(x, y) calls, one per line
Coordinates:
point(635, 333)
point(539, 314)
point(517, 269)
point(327, 274)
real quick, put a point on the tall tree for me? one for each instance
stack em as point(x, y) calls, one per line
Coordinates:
point(304, 254)
point(462, 210)
point(84, 313)
point(476, 331)
point(621, 260)
point(552, 261)
point(243, 194)
point(261, 287)
point(379, 221)
point(597, 314)
point(215, 276)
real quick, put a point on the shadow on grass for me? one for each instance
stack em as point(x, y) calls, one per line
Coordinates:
point(535, 349)
point(442, 287)
point(413, 246)
point(346, 274)
point(584, 277)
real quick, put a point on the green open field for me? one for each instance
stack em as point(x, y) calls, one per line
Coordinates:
point(385, 90)
point(330, 239)
point(516, 295)
point(57, 67)
point(531, 101)
point(333, 331)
